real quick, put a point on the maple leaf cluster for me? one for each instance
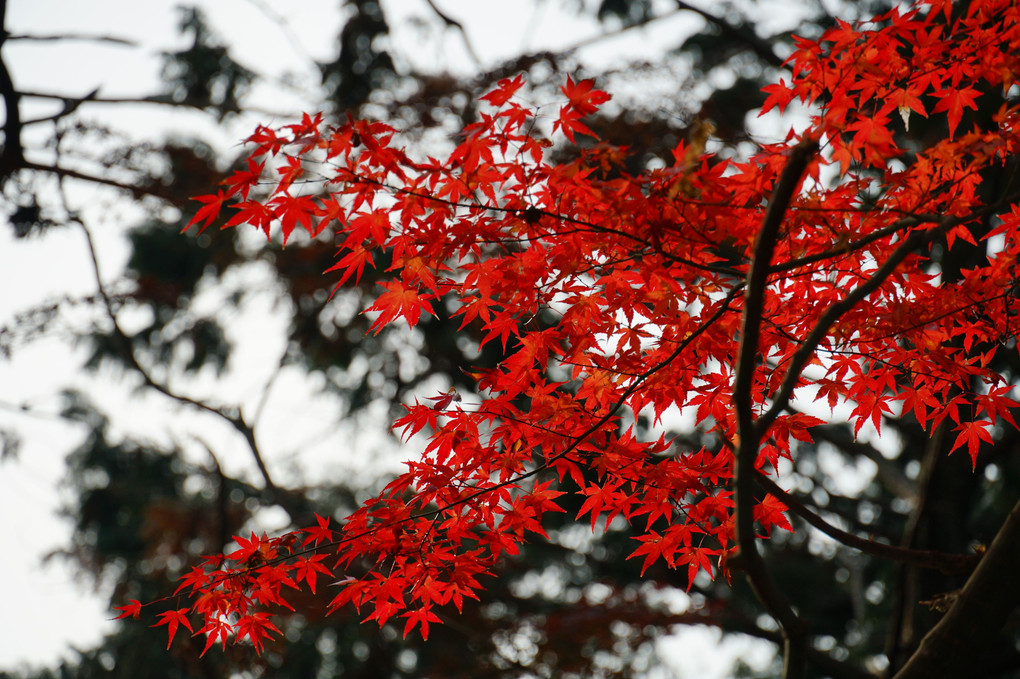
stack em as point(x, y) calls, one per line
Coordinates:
point(613, 295)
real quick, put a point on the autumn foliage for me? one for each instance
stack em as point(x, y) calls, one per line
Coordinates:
point(738, 292)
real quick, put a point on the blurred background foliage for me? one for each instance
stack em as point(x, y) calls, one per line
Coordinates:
point(143, 510)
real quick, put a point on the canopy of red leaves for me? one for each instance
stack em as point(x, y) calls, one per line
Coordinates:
point(614, 294)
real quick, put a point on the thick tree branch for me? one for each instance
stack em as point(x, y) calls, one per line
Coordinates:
point(955, 645)
point(825, 322)
point(13, 155)
point(794, 630)
point(947, 563)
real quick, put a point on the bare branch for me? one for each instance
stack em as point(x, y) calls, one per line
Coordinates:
point(70, 106)
point(153, 99)
point(760, 47)
point(29, 411)
point(137, 191)
point(280, 21)
point(947, 563)
point(587, 42)
point(453, 23)
point(64, 37)
point(236, 419)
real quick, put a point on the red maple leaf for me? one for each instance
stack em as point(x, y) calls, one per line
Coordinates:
point(973, 434)
point(131, 610)
point(505, 89)
point(243, 180)
point(172, 620)
point(583, 96)
point(294, 210)
point(771, 512)
point(306, 569)
point(398, 301)
point(319, 533)
point(953, 100)
point(420, 617)
point(210, 210)
point(444, 399)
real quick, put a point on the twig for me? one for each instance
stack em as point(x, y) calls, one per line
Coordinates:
point(280, 21)
point(453, 23)
point(62, 37)
point(127, 353)
point(587, 42)
point(153, 99)
point(221, 493)
point(154, 190)
point(28, 411)
point(70, 106)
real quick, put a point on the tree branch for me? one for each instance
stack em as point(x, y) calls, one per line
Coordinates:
point(794, 630)
point(281, 22)
point(62, 37)
point(877, 234)
point(953, 564)
point(137, 191)
point(70, 106)
point(453, 23)
point(825, 322)
point(760, 47)
point(13, 155)
point(955, 645)
point(127, 353)
point(153, 99)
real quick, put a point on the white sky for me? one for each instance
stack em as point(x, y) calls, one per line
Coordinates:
point(44, 610)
